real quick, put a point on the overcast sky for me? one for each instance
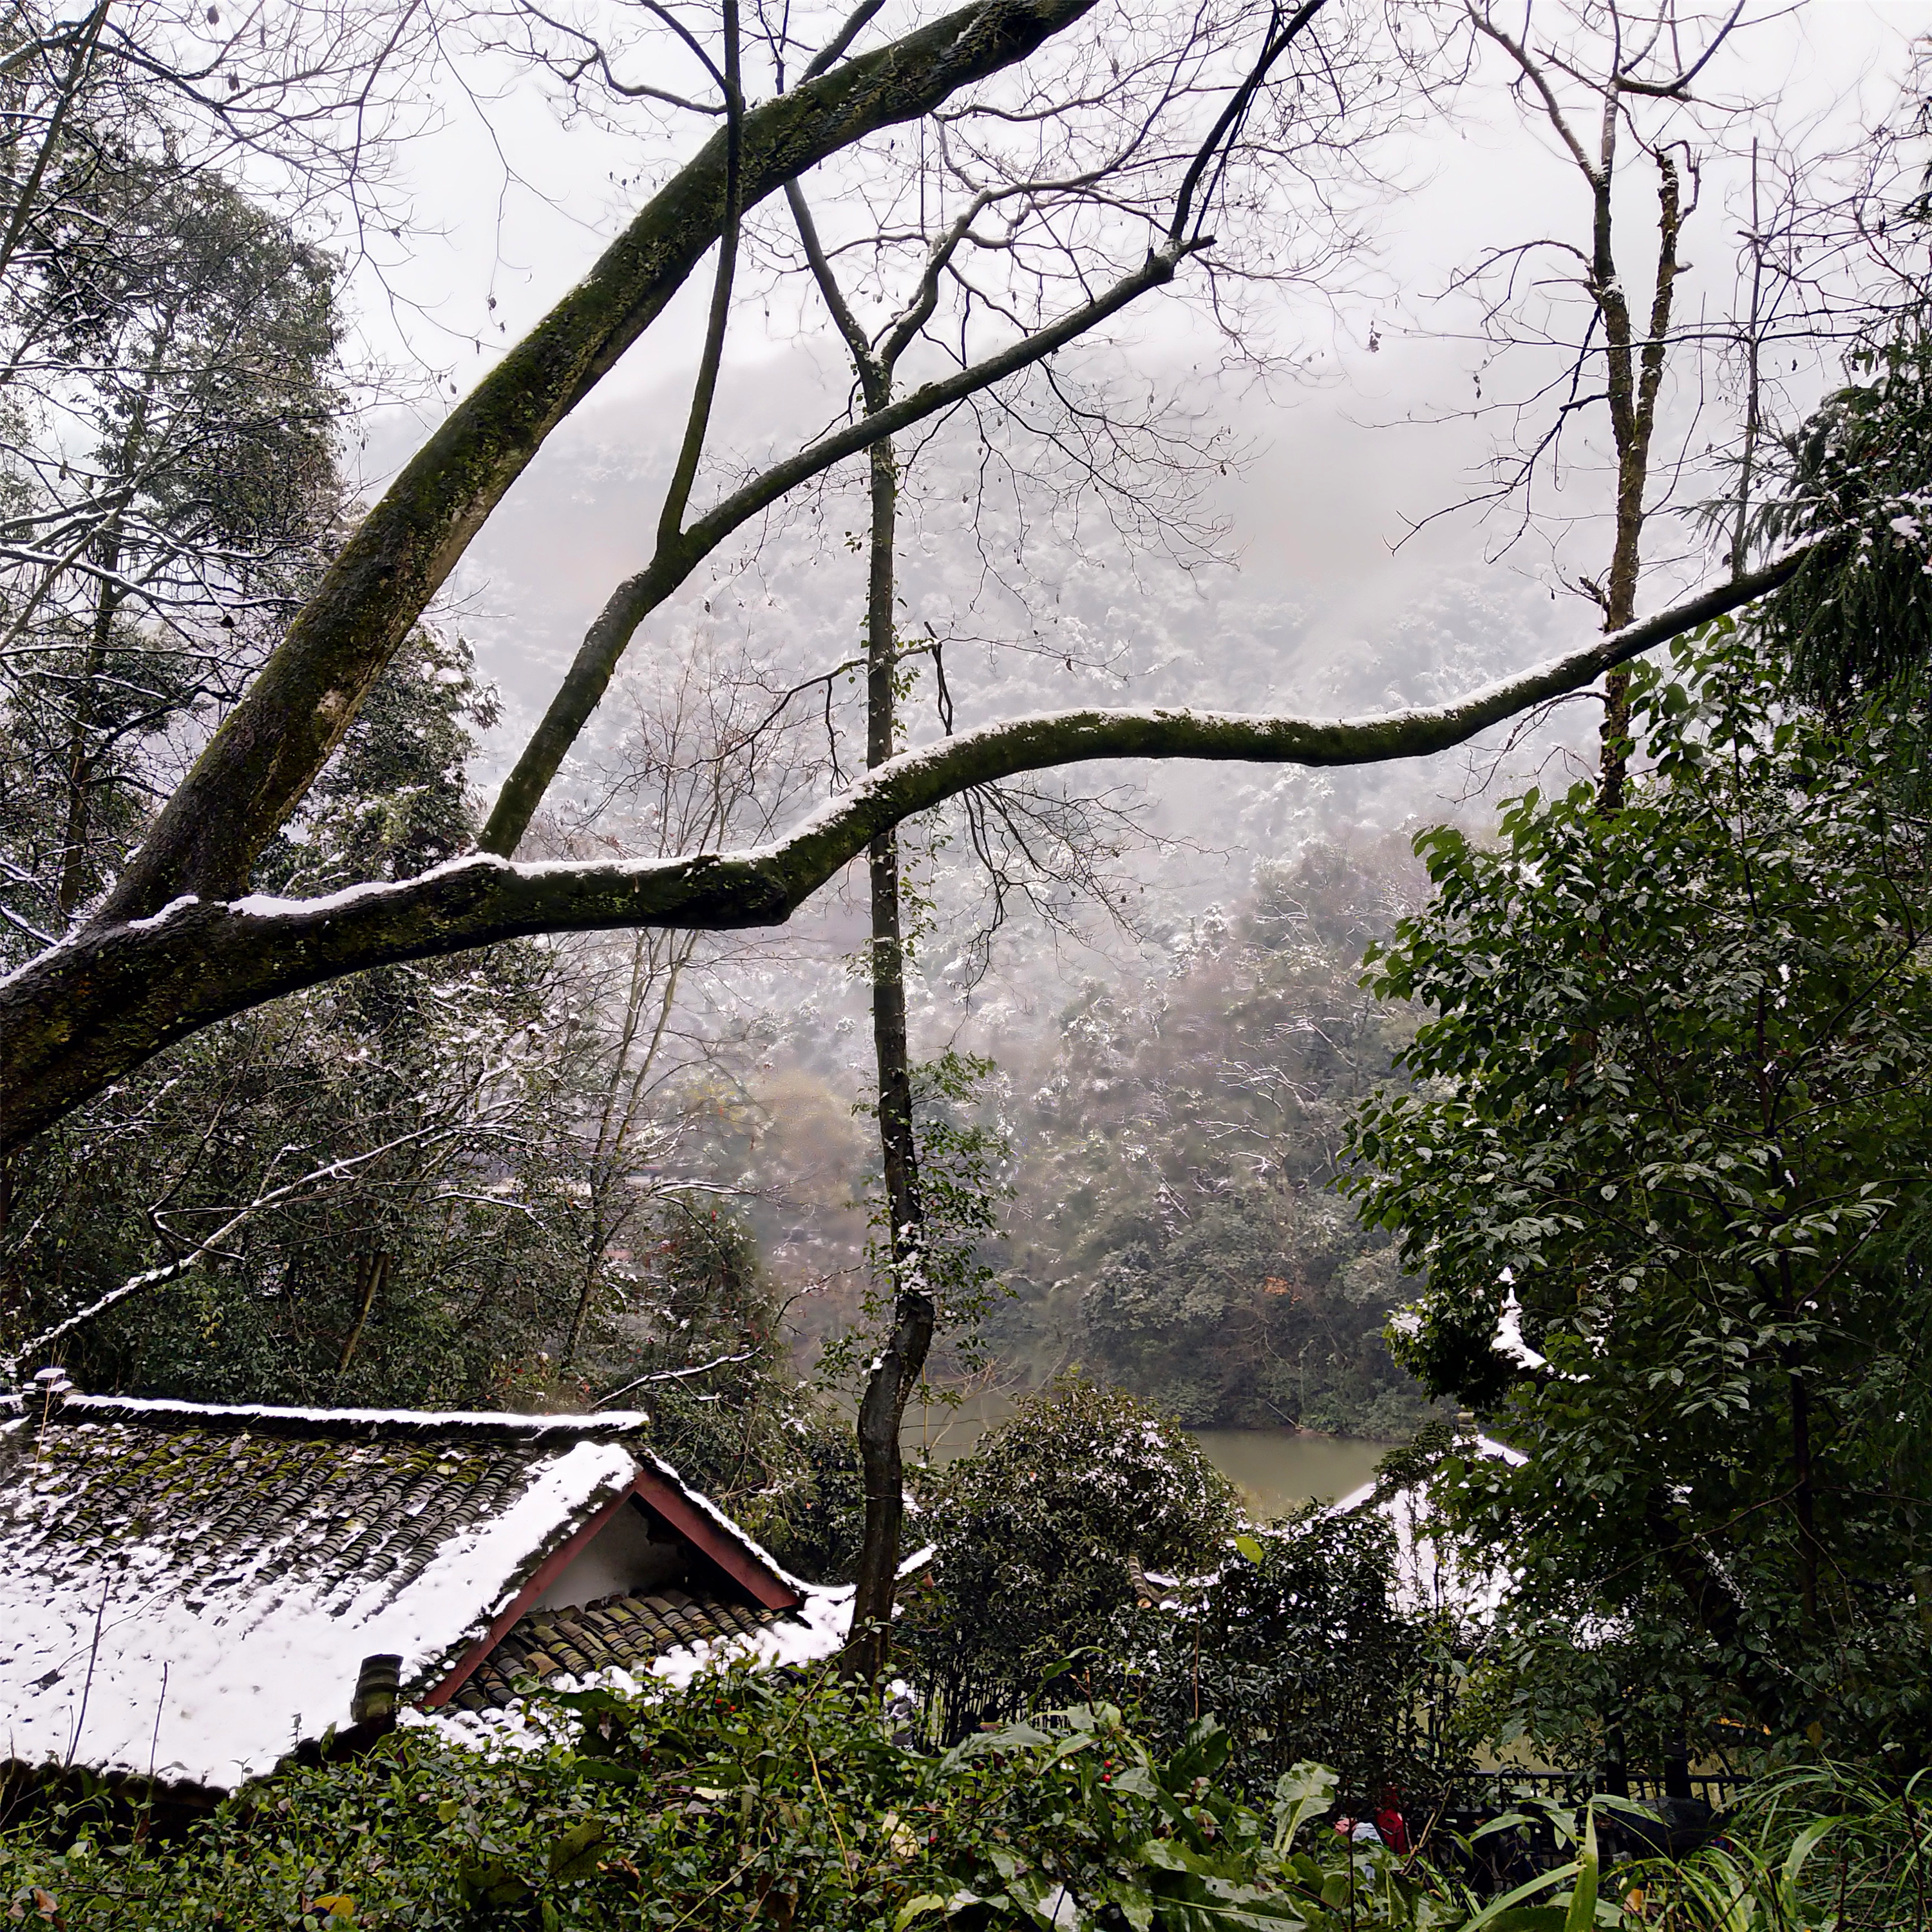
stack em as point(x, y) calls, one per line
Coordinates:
point(1338, 463)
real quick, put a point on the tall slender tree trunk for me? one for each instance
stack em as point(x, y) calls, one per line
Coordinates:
point(1754, 385)
point(77, 761)
point(1636, 371)
point(372, 1272)
point(896, 1371)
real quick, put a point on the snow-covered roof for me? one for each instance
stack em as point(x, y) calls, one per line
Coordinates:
point(1429, 1575)
point(188, 1592)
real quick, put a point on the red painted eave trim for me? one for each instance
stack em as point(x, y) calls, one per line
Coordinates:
point(542, 1578)
point(703, 1533)
point(677, 1510)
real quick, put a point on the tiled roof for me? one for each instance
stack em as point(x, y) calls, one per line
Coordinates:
point(621, 1632)
point(190, 1590)
point(225, 1496)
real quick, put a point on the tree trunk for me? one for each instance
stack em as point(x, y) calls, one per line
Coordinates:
point(1636, 374)
point(1753, 388)
point(79, 774)
point(372, 1271)
point(78, 817)
point(896, 1373)
point(593, 1268)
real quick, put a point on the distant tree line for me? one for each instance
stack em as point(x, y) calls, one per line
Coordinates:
point(1176, 1230)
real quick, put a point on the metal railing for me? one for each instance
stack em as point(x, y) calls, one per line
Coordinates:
point(1718, 1790)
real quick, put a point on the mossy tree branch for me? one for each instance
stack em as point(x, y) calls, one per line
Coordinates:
point(272, 745)
point(90, 1011)
point(679, 553)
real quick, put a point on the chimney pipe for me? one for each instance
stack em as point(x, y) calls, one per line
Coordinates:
point(373, 1706)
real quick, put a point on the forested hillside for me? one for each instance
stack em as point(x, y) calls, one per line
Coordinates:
point(1170, 1136)
point(1174, 1228)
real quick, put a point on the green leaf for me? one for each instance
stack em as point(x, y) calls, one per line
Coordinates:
point(1300, 1793)
point(1207, 1750)
point(1583, 1900)
point(489, 1882)
point(1546, 1882)
point(1802, 1847)
point(574, 1854)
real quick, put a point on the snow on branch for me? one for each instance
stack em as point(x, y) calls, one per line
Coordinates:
point(90, 1010)
point(158, 1277)
point(675, 1375)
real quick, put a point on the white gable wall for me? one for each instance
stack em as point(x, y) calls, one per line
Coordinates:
point(622, 1556)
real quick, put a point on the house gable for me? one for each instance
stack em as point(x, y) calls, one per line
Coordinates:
point(187, 1591)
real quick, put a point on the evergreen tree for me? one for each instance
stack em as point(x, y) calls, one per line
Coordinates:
point(1667, 1163)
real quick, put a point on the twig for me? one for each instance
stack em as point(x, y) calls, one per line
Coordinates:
point(673, 1375)
point(87, 1683)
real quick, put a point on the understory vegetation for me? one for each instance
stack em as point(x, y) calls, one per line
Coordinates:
point(789, 1800)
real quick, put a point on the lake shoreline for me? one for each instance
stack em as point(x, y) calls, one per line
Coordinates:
point(1277, 1469)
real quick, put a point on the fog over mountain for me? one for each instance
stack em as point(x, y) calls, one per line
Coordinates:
point(1294, 561)
point(1045, 603)
point(1311, 605)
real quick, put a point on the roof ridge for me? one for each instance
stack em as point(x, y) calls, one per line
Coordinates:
point(265, 1418)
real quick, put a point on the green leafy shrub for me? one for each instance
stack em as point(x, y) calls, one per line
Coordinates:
point(744, 1798)
point(778, 1800)
point(1823, 1844)
point(1036, 1537)
point(1296, 1640)
point(1667, 1163)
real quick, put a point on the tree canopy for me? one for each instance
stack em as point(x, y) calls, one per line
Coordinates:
point(179, 940)
point(1665, 1166)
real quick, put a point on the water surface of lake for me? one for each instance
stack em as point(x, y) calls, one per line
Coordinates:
point(1274, 1469)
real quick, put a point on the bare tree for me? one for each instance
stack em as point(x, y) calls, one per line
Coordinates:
point(1618, 87)
point(1831, 264)
point(303, 97)
point(178, 942)
point(700, 762)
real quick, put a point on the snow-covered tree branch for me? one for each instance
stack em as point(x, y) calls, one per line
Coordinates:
point(99, 1005)
point(211, 1244)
